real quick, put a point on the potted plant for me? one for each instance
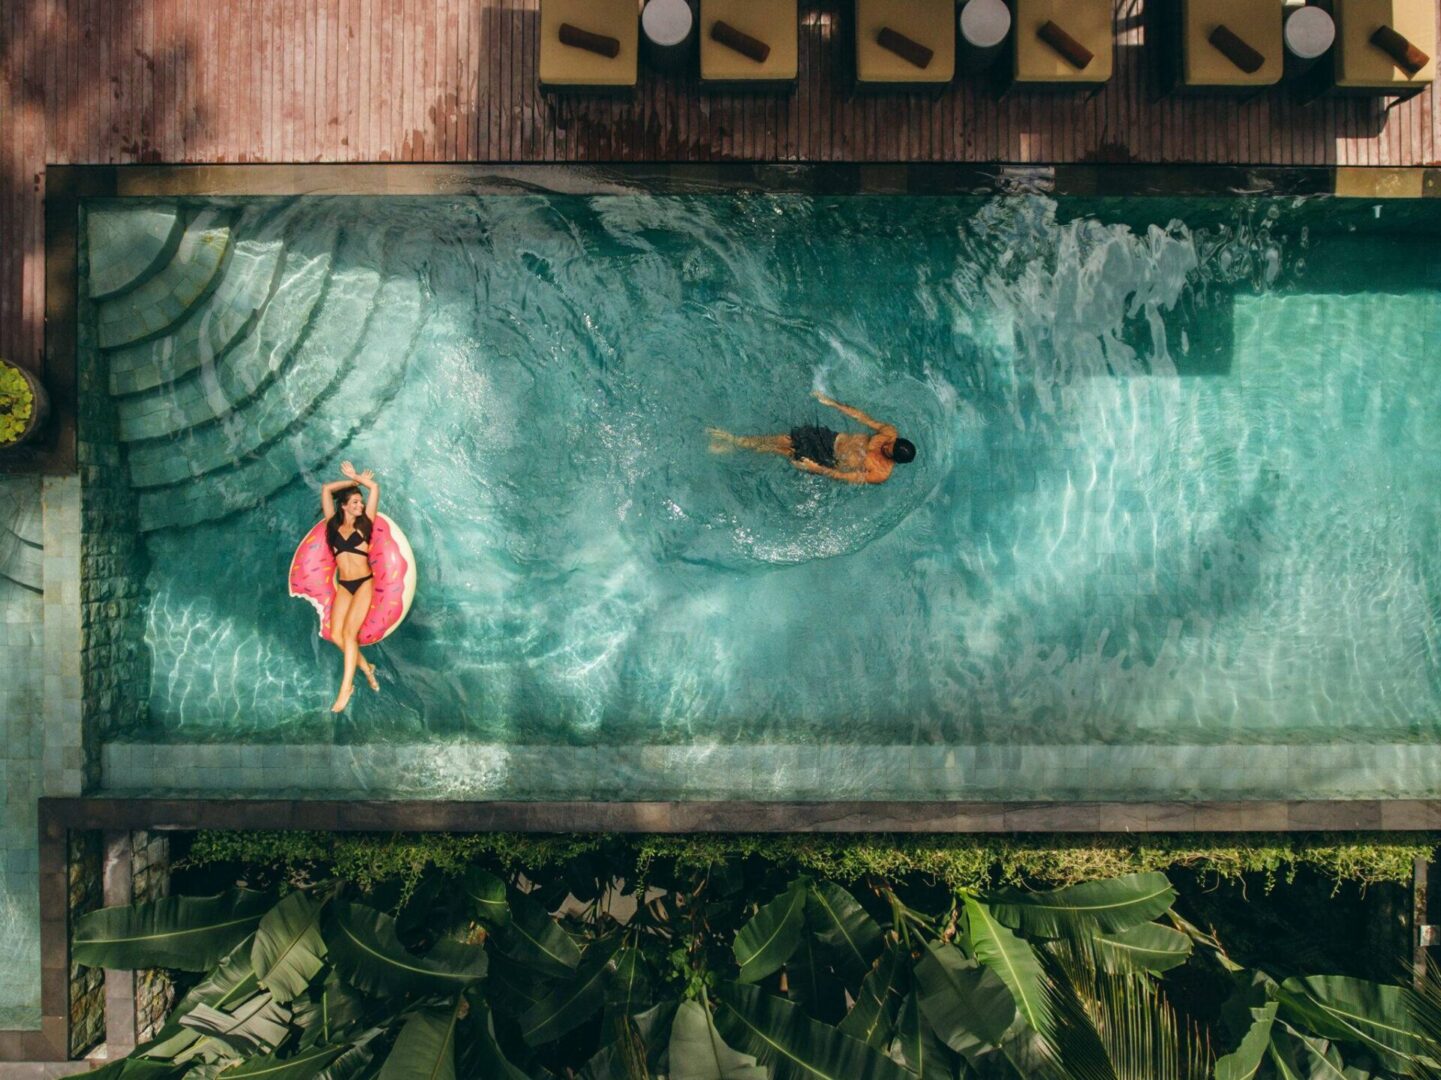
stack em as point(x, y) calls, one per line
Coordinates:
point(23, 405)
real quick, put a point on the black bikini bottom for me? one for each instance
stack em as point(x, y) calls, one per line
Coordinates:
point(354, 585)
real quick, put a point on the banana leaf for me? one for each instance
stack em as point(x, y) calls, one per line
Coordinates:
point(1344, 1009)
point(918, 1048)
point(329, 1012)
point(425, 1047)
point(1013, 960)
point(512, 987)
point(638, 1050)
point(183, 932)
point(533, 938)
point(288, 950)
point(848, 934)
point(134, 1068)
point(302, 1066)
point(792, 1045)
point(628, 989)
point(477, 1052)
point(256, 1027)
point(1110, 906)
point(367, 953)
point(1148, 947)
point(697, 1051)
point(872, 1018)
point(1245, 1061)
point(571, 1003)
point(967, 1004)
point(358, 1055)
point(232, 982)
point(1298, 1057)
point(771, 936)
point(486, 893)
point(813, 985)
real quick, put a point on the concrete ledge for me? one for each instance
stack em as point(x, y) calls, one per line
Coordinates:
point(1370, 815)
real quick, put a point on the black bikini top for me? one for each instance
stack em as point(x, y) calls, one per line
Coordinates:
point(350, 545)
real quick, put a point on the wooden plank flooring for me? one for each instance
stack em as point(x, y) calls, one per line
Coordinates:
point(124, 81)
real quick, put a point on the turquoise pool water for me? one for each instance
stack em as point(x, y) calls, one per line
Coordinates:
point(1176, 484)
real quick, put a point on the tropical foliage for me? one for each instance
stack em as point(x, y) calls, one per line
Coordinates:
point(734, 974)
point(17, 403)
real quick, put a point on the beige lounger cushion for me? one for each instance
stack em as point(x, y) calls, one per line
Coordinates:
point(771, 21)
point(1360, 64)
point(932, 23)
point(1088, 21)
point(1258, 24)
point(565, 65)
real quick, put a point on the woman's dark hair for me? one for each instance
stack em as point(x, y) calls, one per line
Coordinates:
point(903, 450)
point(332, 527)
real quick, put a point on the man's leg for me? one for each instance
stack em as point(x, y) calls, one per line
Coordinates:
point(723, 441)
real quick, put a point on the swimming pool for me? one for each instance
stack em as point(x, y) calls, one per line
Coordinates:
point(1172, 530)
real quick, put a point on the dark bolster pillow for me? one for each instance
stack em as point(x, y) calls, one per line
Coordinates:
point(1235, 50)
point(584, 39)
point(740, 41)
point(904, 47)
point(1408, 57)
point(1078, 55)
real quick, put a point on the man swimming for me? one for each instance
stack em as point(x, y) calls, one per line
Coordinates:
point(856, 459)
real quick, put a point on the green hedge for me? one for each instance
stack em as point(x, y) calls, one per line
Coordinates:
point(366, 859)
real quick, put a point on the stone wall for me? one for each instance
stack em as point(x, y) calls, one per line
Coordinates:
point(115, 664)
point(87, 984)
point(150, 880)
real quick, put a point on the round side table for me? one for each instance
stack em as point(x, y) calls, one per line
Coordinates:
point(1309, 34)
point(668, 33)
point(984, 27)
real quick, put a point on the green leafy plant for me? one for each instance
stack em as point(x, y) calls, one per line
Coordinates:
point(17, 403)
point(734, 972)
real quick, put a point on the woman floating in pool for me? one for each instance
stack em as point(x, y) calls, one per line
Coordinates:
point(856, 459)
point(350, 521)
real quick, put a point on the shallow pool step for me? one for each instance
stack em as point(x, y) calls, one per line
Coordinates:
point(326, 354)
point(251, 275)
point(128, 246)
point(212, 392)
point(21, 553)
point(396, 333)
point(164, 299)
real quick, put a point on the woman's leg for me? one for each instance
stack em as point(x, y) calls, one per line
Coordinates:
point(349, 637)
point(723, 441)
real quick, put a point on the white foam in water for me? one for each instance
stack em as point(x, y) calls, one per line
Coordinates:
point(1090, 546)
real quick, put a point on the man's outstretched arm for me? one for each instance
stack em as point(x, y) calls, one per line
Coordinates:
point(855, 414)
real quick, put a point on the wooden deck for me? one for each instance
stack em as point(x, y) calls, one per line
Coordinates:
point(125, 81)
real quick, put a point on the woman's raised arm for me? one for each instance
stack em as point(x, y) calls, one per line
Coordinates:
point(327, 495)
point(372, 500)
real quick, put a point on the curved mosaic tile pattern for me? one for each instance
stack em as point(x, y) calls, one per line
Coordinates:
point(256, 318)
point(21, 539)
point(128, 246)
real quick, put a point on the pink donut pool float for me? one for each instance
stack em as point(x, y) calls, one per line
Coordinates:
point(312, 578)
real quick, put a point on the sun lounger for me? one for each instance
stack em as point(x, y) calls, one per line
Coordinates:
point(1061, 45)
point(588, 46)
point(905, 44)
point(1228, 45)
point(748, 44)
point(1385, 47)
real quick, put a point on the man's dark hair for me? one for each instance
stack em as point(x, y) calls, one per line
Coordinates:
point(903, 451)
